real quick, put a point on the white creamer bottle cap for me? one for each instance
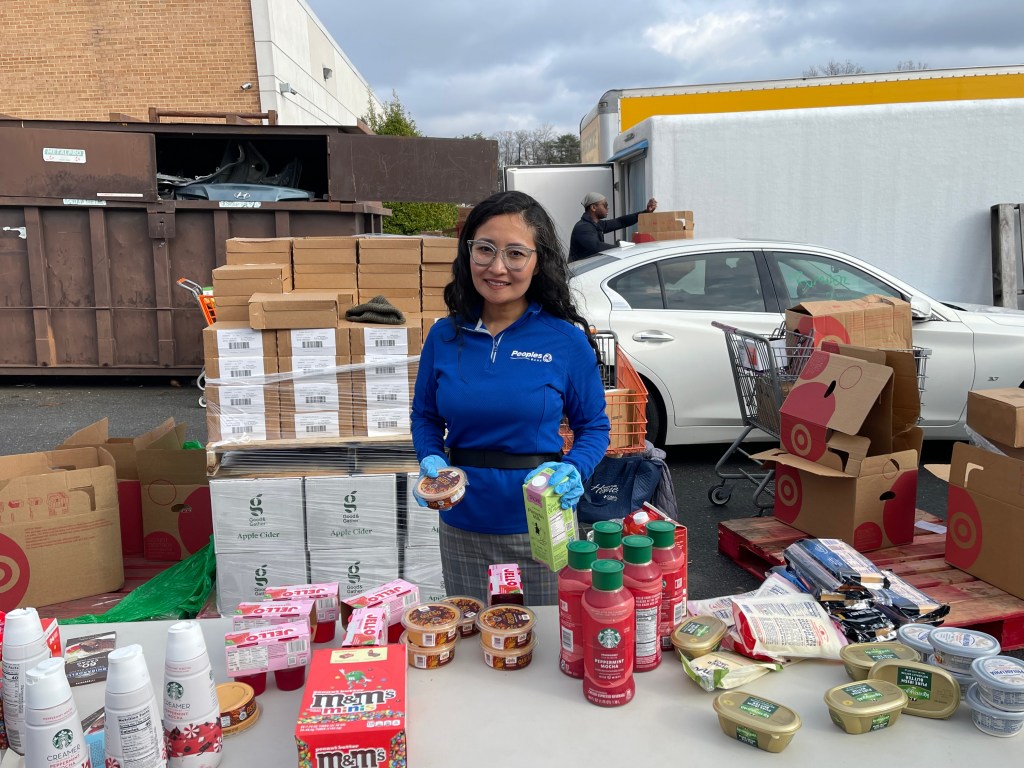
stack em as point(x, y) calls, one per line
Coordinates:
point(46, 685)
point(127, 670)
point(22, 627)
point(184, 641)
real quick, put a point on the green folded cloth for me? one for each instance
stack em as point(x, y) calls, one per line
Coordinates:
point(376, 310)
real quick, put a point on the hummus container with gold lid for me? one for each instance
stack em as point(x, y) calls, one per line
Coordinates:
point(511, 658)
point(956, 648)
point(427, 658)
point(992, 720)
point(1000, 681)
point(858, 658)
point(931, 691)
point(431, 624)
point(444, 491)
point(867, 705)
point(698, 635)
point(505, 626)
point(470, 607)
point(238, 707)
point(755, 721)
point(916, 636)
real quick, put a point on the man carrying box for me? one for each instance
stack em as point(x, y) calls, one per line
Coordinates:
point(588, 235)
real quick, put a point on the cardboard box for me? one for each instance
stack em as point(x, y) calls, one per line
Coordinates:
point(872, 509)
point(61, 535)
point(258, 250)
point(422, 524)
point(433, 303)
point(353, 708)
point(351, 510)
point(881, 322)
point(237, 339)
point(243, 576)
point(664, 221)
point(671, 234)
point(231, 370)
point(384, 282)
point(403, 340)
point(985, 518)
point(422, 566)
point(247, 279)
point(306, 394)
point(251, 650)
point(998, 415)
point(324, 250)
point(354, 568)
point(302, 342)
point(435, 278)
point(323, 277)
point(395, 596)
point(297, 425)
point(238, 428)
point(389, 249)
point(440, 250)
point(176, 517)
point(320, 309)
point(380, 268)
point(233, 309)
point(255, 514)
point(129, 489)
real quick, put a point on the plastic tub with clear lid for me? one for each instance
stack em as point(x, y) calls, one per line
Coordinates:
point(1000, 681)
point(956, 648)
point(431, 624)
point(444, 491)
point(990, 720)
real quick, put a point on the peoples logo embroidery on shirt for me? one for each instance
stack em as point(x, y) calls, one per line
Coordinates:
point(534, 357)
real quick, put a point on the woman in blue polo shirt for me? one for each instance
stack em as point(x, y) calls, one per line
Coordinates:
point(498, 374)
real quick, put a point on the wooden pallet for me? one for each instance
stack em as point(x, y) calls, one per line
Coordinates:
point(337, 447)
point(756, 544)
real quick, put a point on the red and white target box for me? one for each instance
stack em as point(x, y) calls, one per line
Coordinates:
point(985, 519)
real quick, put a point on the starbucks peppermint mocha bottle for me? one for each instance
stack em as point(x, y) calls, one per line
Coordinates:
point(608, 644)
point(608, 537)
point(573, 581)
point(642, 577)
point(192, 728)
point(672, 560)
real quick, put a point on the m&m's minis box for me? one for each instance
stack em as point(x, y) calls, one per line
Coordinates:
point(353, 709)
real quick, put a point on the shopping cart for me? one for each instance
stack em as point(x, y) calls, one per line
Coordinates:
point(764, 369)
point(203, 297)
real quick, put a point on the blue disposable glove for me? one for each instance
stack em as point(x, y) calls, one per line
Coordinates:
point(429, 467)
point(565, 479)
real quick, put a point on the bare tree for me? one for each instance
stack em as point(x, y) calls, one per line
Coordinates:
point(833, 68)
point(910, 65)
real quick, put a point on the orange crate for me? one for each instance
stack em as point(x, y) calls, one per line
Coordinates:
point(626, 406)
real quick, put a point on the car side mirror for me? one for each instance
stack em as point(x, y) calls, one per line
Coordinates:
point(920, 309)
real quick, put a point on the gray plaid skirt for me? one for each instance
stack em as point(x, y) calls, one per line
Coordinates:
point(465, 556)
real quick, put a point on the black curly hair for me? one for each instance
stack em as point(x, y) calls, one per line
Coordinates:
point(549, 287)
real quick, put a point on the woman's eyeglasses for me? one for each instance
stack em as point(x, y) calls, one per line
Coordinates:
point(515, 257)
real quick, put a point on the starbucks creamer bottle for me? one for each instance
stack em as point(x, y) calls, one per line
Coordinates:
point(192, 729)
point(52, 734)
point(133, 736)
point(24, 646)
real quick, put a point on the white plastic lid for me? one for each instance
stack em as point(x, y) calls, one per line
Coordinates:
point(184, 641)
point(127, 670)
point(22, 627)
point(539, 481)
point(916, 636)
point(1004, 673)
point(46, 685)
point(963, 642)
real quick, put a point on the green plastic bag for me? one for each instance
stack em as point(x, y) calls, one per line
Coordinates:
point(180, 592)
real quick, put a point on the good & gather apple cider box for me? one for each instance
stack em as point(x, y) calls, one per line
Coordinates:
point(353, 709)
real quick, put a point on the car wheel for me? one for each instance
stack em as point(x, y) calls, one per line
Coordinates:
point(655, 412)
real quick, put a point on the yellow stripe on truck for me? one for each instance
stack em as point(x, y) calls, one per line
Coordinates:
point(633, 109)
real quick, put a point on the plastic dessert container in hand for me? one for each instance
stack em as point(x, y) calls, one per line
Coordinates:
point(512, 658)
point(956, 648)
point(427, 658)
point(931, 690)
point(755, 721)
point(698, 635)
point(991, 720)
point(444, 491)
point(505, 626)
point(867, 705)
point(1000, 682)
point(858, 658)
point(431, 624)
point(470, 607)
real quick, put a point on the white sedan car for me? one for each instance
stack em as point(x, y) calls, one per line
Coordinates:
point(661, 298)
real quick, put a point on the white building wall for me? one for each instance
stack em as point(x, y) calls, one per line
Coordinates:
point(292, 49)
point(907, 187)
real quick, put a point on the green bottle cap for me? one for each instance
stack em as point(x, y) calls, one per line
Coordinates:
point(637, 549)
point(582, 555)
point(607, 575)
point(662, 532)
point(608, 534)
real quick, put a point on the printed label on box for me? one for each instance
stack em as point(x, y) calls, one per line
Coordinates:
point(393, 341)
point(312, 365)
point(386, 367)
point(316, 396)
point(386, 421)
point(262, 649)
point(247, 399)
point(317, 425)
point(387, 392)
point(239, 342)
point(314, 341)
point(235, 425)
point(241, 367)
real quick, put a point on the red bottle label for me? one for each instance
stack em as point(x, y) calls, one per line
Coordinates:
point(673, 604)
point(648, 648)
point(608, 640)
point(570, 628)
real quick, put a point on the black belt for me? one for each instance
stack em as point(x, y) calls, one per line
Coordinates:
point(467, 457)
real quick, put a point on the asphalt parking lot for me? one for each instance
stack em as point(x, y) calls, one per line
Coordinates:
point(37, 414)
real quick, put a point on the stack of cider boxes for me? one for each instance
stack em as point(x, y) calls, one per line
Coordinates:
point(284, 361)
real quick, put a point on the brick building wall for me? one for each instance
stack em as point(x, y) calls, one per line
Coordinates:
point(75, 60)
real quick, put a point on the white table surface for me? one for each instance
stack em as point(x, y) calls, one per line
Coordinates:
point(467, 714)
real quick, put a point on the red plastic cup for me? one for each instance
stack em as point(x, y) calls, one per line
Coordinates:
point(325, 631)
point(290, 679)
point(395, 632)
point(257, 681)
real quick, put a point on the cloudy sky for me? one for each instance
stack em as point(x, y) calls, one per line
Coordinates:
point(466, 66)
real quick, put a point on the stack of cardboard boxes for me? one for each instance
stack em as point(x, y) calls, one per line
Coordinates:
point(847, 468)
point(664, 225)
